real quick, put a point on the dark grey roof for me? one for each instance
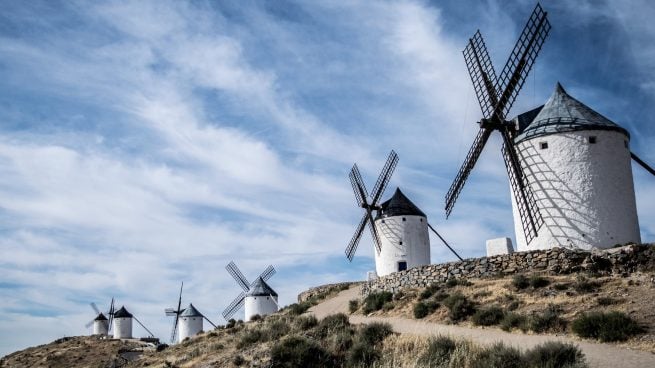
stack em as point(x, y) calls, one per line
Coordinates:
point(122, 313)
point(561, 113)
point(101, 317)
point(398, 205)
point(190, 311)
point(261, 288)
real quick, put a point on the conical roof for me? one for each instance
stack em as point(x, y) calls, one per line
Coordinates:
point(261, 288)
point(398, 205)
point(561, 113)
point(190, 311)
point(101, 317)
point(122, 313)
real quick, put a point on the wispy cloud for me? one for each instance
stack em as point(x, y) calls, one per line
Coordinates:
point(146, 143)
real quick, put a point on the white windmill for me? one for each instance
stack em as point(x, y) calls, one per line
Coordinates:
point(259, 298)
point(123, 324)
point(568, 166)
point(101, 324)
point(399, 228)
point(189, 320)
point(578, 165)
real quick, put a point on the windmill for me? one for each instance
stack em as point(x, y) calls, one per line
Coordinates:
point(191, 319)
point(258, 297)
point(101, 323)
point(496, 96)
point(399, 228)
point(123, 324)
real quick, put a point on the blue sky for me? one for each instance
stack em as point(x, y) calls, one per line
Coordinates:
point(144, 143)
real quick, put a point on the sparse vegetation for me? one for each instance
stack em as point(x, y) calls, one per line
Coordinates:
point(459, 306)
point(612, 326)
point(513, 320)
point(522, 282)
point(488, 316)
point(375, 301)
point(423, 308)
point(298, 351)
point(583, 285)
point(439, 349)
point(428, 292)
point(353, 305)
point(547, 320)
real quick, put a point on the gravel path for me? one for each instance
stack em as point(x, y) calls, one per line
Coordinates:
point(598, 355)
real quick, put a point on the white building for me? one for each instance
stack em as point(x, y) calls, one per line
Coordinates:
point(403, 231)
point(578, 165)
point(122, 324)
point(261, 299)
point(101, 325)
point(190, 322)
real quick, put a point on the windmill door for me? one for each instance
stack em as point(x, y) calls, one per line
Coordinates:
point(402, 266)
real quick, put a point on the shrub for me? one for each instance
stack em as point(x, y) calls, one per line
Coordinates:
point(387, 306)
point(255, 318)
point(398, 295)
point(498, 355)
point(513, 320)
point(454, 282)
point(422, 309)
point(438, 351)
point(276, 329)
point(488, 316)
point(513, 305)
point(332, 324)
point(520, 282)
point(238, 360)
point(304, 323)
point(440, 296)
point(428, 292)
point(561, 286)
point(554, 354)
point(537, 281)
point(361, 355)
point(297, 309)
point(341, 341)
point(612, 326)
point(459, 306)
point(583, 285)
point(296, 352)
point(547, 320)
point(374, 333)
point(250, 337)
point(374, 301)
point(353, 305)
point(231, 323)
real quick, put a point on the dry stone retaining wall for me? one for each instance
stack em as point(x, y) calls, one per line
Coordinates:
point(621, 260)
point(323, 289)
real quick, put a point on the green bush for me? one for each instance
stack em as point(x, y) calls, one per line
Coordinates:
point(276, 329)
point(537, 281)
point(388, 306)
point(375, 301)
point(459, 307)
point(428, 292)
point(340, 341)
point(561, 286)
point(361, 355)
point(422, 309)
point(374, 333)
point(304, 323)
point(256, 318)
point(583, 285)
point(238, 360)
point(612, 326)
point(454, 282)
point(250, 337)
point(332, 324)
point(520, 282)
point(298, 352)
point(353, 305)
point(498, 355)
point(604, 301)
point(554, 354)
point(488, 316)
point(438, 351)
point(513, 320)
point(547, 320)
point(297, 309)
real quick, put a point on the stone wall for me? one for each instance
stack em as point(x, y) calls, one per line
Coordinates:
point(324, 289)
point(621, 260)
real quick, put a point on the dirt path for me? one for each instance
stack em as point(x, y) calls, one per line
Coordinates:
point(598, 355)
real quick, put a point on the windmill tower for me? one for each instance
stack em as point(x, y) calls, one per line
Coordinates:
point(399, 228)
point(496, 96)
point(101, 324)
point(258, 297)
point(189, 319)
point(123, 324)
point(578, 164)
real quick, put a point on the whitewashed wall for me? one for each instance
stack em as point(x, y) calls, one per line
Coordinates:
point(415, 247)
point(189, 326)
point(262, 305)
point(122, 328)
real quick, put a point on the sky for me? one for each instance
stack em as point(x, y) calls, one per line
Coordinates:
point(146, 143)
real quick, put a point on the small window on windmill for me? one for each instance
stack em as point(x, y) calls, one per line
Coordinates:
point(400, 242)
point(592, 139)
point(543, 145)
point(404, 219)
point(421, 220)
point(625, 143)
